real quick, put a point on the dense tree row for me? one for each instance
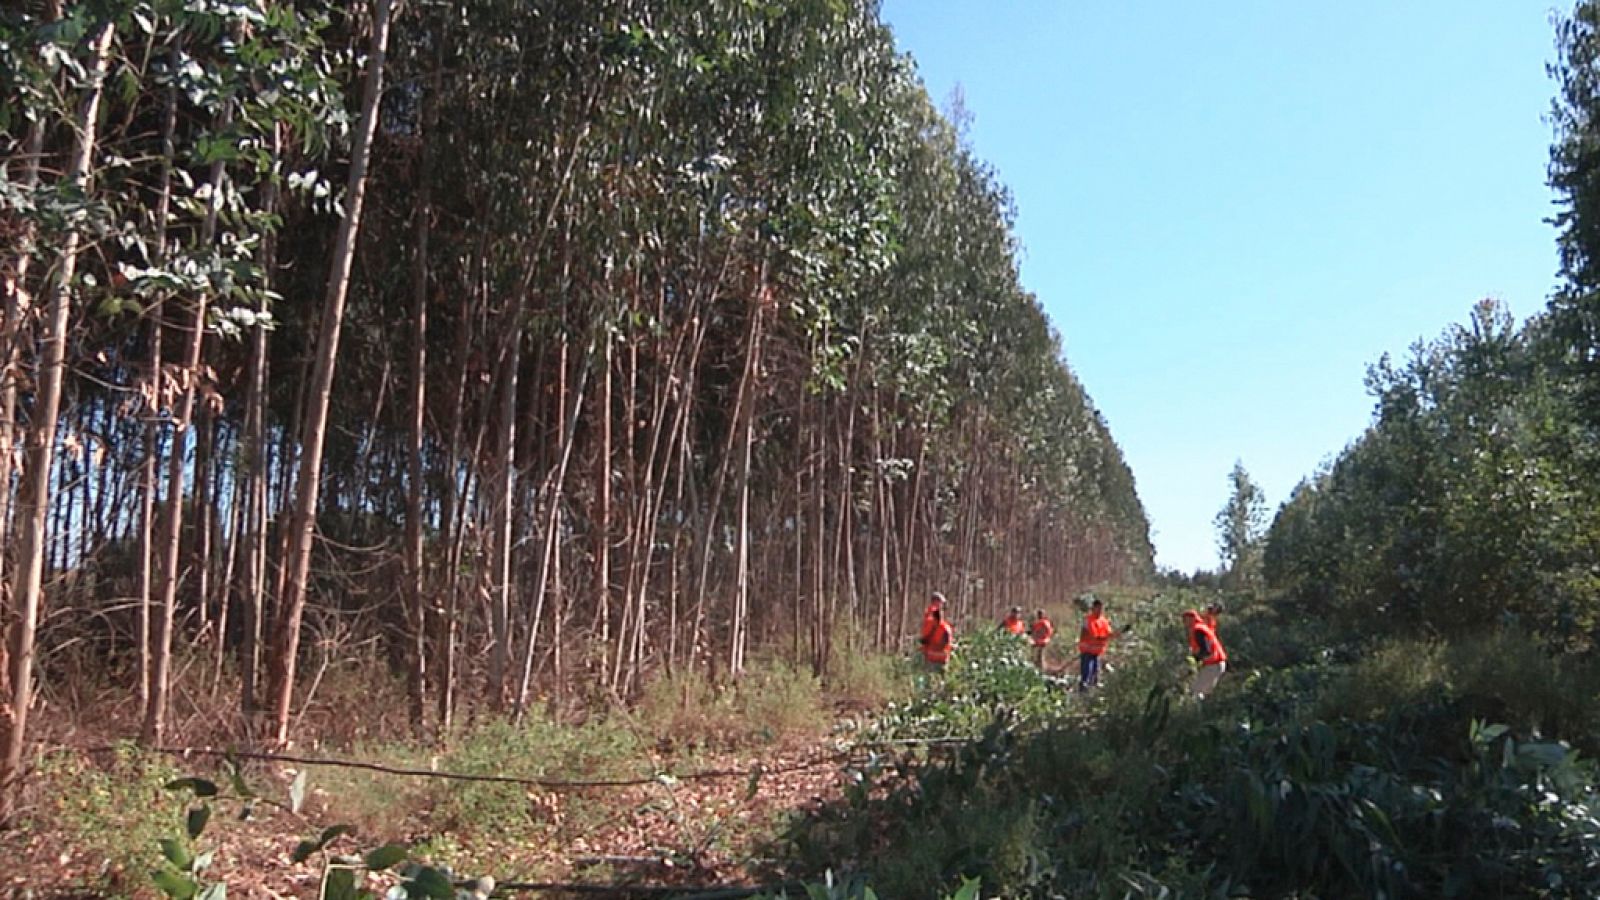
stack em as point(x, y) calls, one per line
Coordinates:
point(556, 343)
point(1473, 499)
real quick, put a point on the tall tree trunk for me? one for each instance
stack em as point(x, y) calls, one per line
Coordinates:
point(741, 404)
point(505, 508)
point(256, 475)
point(552, 492)
point(155, 711)
point(17, 302)
point(205, 514)
point(417, 603)
point(452, 520)
point(33, 499)
point(744, 425)
point(308, 480)
point(602, 526)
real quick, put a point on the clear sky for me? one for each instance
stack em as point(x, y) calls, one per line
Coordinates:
point(1230, 209)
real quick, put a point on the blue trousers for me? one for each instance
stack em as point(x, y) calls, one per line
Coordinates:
point(1088, 671)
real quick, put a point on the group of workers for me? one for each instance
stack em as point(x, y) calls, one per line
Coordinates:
point(937, 638)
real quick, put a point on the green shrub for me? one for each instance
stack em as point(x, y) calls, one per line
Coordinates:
point(776, 697)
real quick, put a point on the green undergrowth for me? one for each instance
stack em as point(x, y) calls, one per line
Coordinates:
point(1398, 769)
point(104, 815)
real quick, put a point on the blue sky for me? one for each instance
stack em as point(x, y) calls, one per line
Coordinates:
point(1230, 209)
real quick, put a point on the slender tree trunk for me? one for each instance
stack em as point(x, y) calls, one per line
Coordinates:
point(297, 563)
point(741, 405)
point(417, 603)
point(33, 500)
point(552, 492)
point(744, 425)
point(205, 513)
point(452, 517)
point(256, 475)
point(602, 527)
point(17, 302)
point(505, 507)
point(155, 711)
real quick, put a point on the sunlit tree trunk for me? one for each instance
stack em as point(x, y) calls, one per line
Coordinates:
point(297, 562)
point(503, 540)
point(254, 475)
point(417, 603)
point(155, 711)
point(18, 303)
point(33, 498)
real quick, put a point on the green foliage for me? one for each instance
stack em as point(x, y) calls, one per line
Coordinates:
point(773, 697)
point(115, 813)
point(1367, 776)
point(182, 873)
point(1469, 500)
point(537, 747)
point(1240, 526)
point(989, 678)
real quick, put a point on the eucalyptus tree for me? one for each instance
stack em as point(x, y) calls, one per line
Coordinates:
point(88, 76)
point(705, 306)
point(297, 558)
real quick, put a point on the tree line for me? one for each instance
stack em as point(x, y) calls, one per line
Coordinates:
point(1472, 501)
point(553, 345)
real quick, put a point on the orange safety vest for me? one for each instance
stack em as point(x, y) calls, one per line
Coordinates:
point(936, 649)
point(1041, 631)
point(1210, 619)
point(1014, 625)
point(1201, 638)
point(1096, 634)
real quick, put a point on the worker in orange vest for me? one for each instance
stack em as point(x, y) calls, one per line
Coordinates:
point(1013, 623)
point(1093, 638)
point(1041, 630)
point(1207, 650)
point(1213, 610)
point(935, 604)
point(937, 641)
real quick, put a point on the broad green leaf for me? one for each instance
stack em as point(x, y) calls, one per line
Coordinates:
point(340, 884)
point(197, 819)
point(968, 890)
point(386, 856)
point(177, 853)
point(430, 882)
point(174, 885)
point(304, 850)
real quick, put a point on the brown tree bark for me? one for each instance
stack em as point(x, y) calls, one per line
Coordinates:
point(417, 604)
point(155, 711)
point(33, 499)
point(297, 562)
point(18, 302)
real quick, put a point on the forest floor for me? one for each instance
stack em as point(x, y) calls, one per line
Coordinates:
point(710, 831)
point(96, 808)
